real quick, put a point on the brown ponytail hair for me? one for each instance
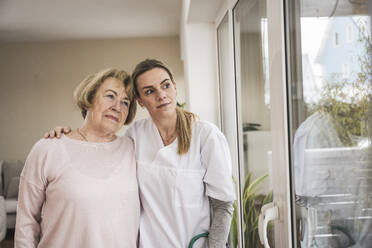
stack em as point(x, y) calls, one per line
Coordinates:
point(185, 118)
point(184, 123)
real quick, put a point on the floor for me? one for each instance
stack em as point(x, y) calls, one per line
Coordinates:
point(8, 242)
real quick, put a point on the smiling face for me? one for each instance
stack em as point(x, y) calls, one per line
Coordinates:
point(110, 107)
point(157, 93)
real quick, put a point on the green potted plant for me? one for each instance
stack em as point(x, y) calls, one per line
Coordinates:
point(252, 203)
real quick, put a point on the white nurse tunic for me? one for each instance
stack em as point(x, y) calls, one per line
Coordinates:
point(174, 189)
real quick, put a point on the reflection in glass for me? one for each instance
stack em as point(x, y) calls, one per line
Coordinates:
point(331, 138)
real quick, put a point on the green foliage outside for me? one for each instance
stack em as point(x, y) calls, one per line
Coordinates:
point(348, 100)
point(349, 114)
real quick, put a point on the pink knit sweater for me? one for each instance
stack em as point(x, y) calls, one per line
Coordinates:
point(78, 194)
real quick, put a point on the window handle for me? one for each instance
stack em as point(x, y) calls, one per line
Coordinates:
point(268, 213)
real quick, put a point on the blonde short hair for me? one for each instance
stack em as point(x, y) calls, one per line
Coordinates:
point(85, 92)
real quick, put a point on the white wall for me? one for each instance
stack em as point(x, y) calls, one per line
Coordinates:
point(200, 66)
point(199, 53)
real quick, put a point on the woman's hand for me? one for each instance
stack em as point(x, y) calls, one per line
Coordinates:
point(57, 132)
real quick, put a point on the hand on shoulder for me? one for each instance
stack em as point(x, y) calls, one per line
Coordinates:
point(57, 132)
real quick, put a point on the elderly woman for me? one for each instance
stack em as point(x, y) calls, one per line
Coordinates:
point(81, 190)
point(184, 167)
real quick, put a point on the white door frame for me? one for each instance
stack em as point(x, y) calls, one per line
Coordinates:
point(279, 123)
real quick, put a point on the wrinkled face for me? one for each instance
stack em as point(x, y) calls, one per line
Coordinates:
point(110, 107)
point(157, 93)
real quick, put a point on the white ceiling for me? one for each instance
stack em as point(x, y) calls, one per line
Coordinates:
point(40, 20)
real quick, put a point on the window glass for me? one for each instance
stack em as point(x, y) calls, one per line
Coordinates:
point(331, 132)
point(253, 99)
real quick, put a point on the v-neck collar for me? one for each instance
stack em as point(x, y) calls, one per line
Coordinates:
point(158, 138)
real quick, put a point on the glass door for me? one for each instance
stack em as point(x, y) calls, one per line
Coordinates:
point(330, 110)
point(261, 123)
point(253, 97)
